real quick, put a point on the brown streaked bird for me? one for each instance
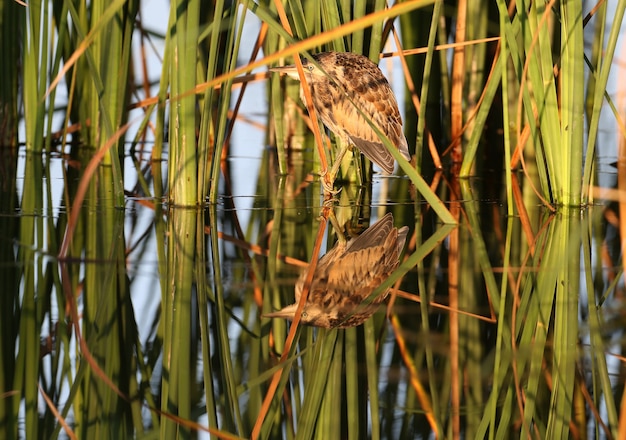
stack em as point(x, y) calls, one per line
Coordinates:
point(347, 275)
point(343, 84)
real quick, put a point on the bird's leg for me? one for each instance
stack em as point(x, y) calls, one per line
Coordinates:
point(333, 221)
point(328, 178)
point(359, 169)
point(329, 214)
point(328, 185)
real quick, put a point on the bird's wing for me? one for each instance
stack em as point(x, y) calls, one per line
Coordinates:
point(370, 93)
point(402, 234)
point(372, 236)
point(357, 274)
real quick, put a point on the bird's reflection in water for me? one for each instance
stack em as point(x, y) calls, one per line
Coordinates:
point(347, 275)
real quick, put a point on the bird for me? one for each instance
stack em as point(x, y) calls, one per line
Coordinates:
point(345, 86)
point(346, 275)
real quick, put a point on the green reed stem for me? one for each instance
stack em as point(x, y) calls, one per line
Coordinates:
point(603, 67)
point(35, 79)
point(183, 166)
point(12, 19)
point(570, 152)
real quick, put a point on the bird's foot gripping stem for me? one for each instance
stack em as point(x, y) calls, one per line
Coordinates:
point(327, 179)
point(328, 213)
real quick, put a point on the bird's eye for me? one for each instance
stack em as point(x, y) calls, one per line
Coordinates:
point(304, 314)
point(310, 67)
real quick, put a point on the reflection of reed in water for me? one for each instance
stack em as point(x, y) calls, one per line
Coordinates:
point(347, 275)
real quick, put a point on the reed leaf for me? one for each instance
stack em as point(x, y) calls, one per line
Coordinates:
point(11, 23)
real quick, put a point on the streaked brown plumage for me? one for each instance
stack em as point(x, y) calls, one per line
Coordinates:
point(347, 275)
point(345, 82)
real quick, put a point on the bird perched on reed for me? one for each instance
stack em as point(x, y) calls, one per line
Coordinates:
point(347, 275)
point(346, 88)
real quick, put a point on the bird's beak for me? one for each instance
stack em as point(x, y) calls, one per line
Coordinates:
point(286, 312)
point(283, 68)
point(291, 71)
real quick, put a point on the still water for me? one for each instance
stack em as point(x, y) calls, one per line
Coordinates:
point(152, 321)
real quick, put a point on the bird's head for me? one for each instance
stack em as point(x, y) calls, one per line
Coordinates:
point(312, 314)
point(311, 70)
